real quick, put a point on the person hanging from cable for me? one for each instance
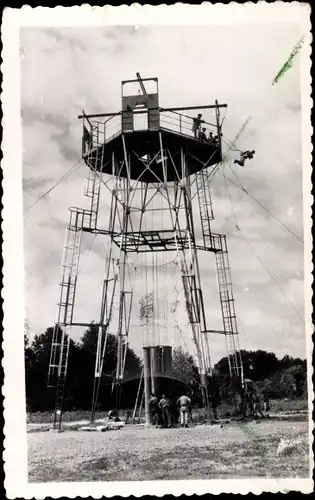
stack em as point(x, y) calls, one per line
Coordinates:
point(245, 155)
point(196, 125)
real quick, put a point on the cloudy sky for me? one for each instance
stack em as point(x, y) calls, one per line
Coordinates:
point(65, 70)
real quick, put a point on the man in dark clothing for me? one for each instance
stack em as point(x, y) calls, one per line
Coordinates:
point(174, 413)
point(244, 399)
point(266, 404)
point(257, 406)
point(154, 409)
point(164, 405)
point(202, 135)
point(215, 400)
point(211, 139)
point(250, 402)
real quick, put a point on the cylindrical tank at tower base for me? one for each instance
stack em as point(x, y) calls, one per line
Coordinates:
point(167, 361)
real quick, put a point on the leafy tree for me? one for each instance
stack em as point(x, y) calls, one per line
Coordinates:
point(80, 373)
point(107, 395)
point(280, 378)
point(185, 375)
point(37, 357)
point(183, 366)
point(256, 364)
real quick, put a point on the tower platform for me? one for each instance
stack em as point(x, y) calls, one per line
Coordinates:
point(147, 142)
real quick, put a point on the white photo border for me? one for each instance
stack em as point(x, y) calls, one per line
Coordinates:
point(15, 453)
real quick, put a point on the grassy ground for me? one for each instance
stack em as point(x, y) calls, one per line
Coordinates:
point(71, 416)
point(203, 452)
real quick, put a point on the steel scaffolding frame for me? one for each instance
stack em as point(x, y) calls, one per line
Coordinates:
point(129, 238)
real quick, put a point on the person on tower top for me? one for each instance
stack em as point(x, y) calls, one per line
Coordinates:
point(216, 140)
point(196, 125)
point(202, 135)
point(211, 139)
point(245, 155)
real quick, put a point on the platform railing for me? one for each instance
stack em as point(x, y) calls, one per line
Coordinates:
point(100, 132)
point(183, 124)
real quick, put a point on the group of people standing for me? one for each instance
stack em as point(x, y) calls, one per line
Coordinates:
point(254, 405)
point(165, 413)
point(200, 133)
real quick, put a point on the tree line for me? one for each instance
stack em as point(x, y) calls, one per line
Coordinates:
point(281, 378)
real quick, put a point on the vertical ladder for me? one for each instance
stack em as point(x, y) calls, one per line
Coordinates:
point(61, 335)
point(205, 206)
point(70, 266)
point(61, 378)
point(94, 181)
point(228, 308)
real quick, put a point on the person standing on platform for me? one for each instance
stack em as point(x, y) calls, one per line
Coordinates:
point(211, 139)
point(184, 403)
point(196, 126)
point(202, 135)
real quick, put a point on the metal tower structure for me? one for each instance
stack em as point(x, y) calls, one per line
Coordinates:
point(163, 157)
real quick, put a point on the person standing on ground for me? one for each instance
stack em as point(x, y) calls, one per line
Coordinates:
point(266, 404)
point(250, 402)
point(184, 403)
point(164, 406)
point(244, 398)
point(154, 409)
point(215, 401)
point(257, 405)
point(174, 412)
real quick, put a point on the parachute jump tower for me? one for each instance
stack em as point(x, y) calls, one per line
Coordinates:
point(162, 159)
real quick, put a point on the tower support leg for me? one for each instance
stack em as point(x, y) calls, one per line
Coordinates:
point(191, 276)
point(146, 378)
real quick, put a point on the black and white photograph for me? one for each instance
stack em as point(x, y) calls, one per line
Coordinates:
point(158, 276)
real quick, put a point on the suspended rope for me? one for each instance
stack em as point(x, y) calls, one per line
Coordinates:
point(87, 249)
point(228, 191)
point(272, 277)
point(73, 169)
point(269, 272)
point(229, 143)
point(241, 187)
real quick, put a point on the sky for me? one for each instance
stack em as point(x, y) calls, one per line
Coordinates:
point(65, 70)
